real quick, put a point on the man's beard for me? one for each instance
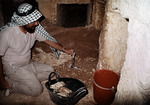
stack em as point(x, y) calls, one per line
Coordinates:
point(30, 30)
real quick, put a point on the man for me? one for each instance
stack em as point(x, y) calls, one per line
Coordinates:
point(23, 75)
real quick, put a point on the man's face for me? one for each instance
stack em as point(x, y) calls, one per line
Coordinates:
point(31, 27)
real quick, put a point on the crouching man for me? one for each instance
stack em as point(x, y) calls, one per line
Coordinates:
point(18, 72)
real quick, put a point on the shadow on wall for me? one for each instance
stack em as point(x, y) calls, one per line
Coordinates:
point(9, 6)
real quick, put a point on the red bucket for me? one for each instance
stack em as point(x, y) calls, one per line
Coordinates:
point(104, 86)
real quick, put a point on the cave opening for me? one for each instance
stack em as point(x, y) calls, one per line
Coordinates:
point(73, 15)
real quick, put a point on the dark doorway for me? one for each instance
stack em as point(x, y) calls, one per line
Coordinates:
point(73, 15)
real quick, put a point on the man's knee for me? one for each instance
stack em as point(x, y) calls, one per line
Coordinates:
point(36, 91)
point(32, 88)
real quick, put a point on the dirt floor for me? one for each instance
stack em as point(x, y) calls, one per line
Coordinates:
point(85, 42)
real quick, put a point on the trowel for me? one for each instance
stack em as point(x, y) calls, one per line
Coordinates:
point(73, 63)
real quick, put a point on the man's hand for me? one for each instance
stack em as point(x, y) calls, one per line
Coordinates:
point(58, 46)
point(69, 51)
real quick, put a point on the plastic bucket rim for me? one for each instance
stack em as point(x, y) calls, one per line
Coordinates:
point(113, 88)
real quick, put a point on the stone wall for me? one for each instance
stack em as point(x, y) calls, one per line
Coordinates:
point(98, 11)
point(113, 39)
point(49, 7)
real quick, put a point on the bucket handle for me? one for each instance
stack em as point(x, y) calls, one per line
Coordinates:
point(112, 88)
point(51, 75)
point(80, 91)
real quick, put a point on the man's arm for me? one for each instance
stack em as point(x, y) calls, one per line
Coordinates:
point(3, 82)
point(59, 47)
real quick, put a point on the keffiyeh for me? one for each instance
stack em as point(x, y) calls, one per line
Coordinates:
point(26, 14)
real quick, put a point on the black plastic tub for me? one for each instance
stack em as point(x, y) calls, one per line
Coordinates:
point(78, 88)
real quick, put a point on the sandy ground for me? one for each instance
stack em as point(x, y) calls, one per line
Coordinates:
point(43, 99)
point(84, 40)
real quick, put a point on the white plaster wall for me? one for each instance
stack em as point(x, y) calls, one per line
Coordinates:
point(134, 84)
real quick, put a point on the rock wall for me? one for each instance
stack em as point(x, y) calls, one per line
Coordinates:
point(113, 39)
point(98, 11)
point(49, 10)
point(1, 16)
point(49, 7)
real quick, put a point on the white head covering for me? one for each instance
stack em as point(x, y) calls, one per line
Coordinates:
point(26, 14)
